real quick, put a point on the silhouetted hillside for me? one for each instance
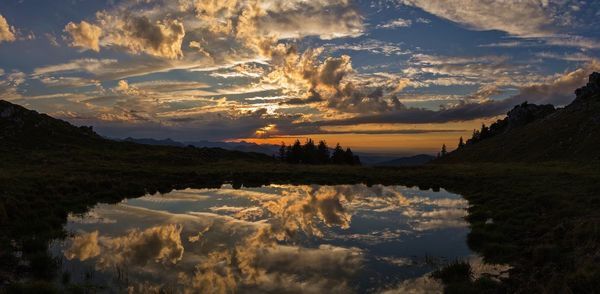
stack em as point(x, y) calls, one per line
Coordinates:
point(408, 161)
point(155, 142)
point(242, 146)
point(540, 133)
point(23, 127)
point(29, 134)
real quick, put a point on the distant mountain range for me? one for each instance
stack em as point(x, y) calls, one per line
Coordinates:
point(242, 146)
point(535, 133)
point(408, 161)
point(270, 149)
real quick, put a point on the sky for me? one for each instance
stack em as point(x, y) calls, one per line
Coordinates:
point(388, 76)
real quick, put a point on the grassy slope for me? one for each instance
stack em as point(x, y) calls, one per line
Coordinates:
point(571, 133)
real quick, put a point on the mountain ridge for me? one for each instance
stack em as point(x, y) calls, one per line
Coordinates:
point(535, 133)
point(24, 132)
point(271, 149)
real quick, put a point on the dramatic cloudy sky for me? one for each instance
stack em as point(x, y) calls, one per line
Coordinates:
point(394, 76)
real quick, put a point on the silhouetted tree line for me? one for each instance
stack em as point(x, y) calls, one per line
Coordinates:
point(478, 135)
point(311, 153)
point(482, 134)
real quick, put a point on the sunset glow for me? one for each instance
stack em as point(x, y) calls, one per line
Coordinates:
point(391, 76)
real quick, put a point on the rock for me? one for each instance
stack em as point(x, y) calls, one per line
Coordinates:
point(526, 113)
point(7, 112)
point(590, 90)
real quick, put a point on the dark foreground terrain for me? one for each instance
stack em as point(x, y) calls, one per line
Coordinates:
point(546, 220)
point(542, 218)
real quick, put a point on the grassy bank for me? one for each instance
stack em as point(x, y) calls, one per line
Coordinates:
point(543, 219)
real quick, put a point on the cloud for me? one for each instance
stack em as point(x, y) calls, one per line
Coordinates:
point(370, 132)
point(130, 30)
point(549, 22)
point(216, 119)
point(223, 255)
point(572, 41)
point(161, 244)
point(299, 210)
point(162, 38)
point(264, 82)
point(372, 46)
point(204, 252)
point(89, 65)
point(521, 18)
point(326, 19)
point(557, 40)
point(509, 44)
point(10, 83)
point(7, 33)
point(396, 23)
point(557, 90)
point(84, 35)
point(329, 84)
point(219, 30)
point(84, 247)
point(568, 57)
point(52, 39)
point(421, 285)
point(108, 68)
point(233, 39)
point(469, 70)
point(423, 20)
point(68, 82)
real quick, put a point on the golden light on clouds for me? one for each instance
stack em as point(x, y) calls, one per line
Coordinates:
point(7, 32)
point(383, 138)
point(214, 70)
point(265, 131)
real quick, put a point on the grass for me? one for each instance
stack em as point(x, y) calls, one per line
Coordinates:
point(546, 217)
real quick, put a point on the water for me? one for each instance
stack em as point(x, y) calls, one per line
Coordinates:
point(273, 239)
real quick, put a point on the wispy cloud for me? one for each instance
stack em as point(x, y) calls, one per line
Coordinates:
point(550, 22)
point(396, 23)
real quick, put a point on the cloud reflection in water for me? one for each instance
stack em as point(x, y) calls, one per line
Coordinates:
point(292, 239)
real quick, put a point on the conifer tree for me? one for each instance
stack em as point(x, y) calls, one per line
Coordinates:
point(323, 153)
point(295, 153)
point(485, 132)
point(338, 156)
point(349, 157)
point(282, 152)
point(309, 152)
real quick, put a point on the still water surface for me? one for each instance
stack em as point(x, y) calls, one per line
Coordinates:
point(273, 239)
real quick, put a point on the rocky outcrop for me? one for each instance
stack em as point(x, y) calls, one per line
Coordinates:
point(519, 116)
point(527, 113)
point(589, 91)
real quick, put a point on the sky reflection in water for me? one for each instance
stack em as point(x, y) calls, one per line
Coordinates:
point(292, 239)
